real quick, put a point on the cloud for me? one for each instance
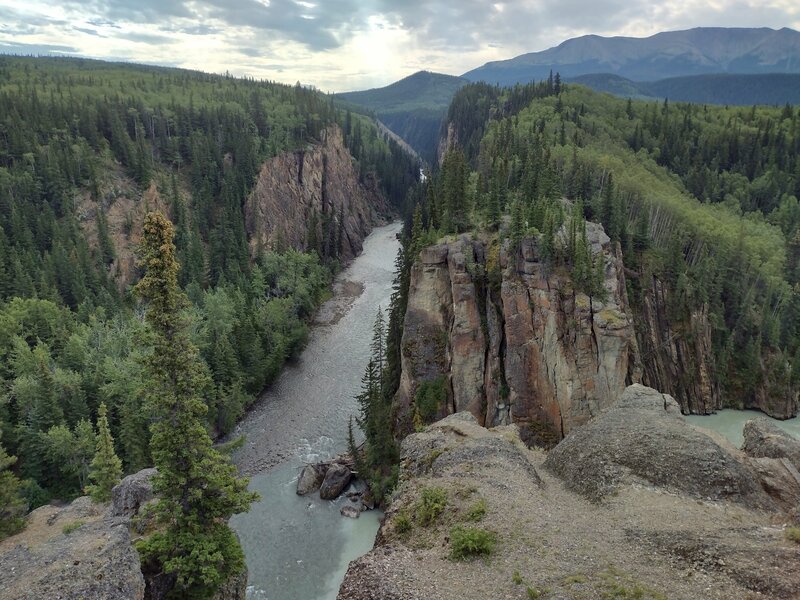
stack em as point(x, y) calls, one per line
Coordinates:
point(88, 31)
point(350, 44)
point(10, 47)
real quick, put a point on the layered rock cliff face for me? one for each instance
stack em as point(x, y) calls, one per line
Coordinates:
point(316, 186)
point(502, 336)
point(496, 333)
point(677, 361)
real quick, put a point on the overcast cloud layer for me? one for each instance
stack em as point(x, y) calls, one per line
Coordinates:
point(342, 45)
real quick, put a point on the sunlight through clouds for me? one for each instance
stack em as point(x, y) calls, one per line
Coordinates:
point(348, 44)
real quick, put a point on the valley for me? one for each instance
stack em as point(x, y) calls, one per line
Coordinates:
point(549, 334)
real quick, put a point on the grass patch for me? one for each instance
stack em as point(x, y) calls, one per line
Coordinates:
point(467, 542)
point(477, 511)
point(792, 534)
point(616, 584)
point(72, 526)
point(516, 578)
point(432, 502)
point(431, 457)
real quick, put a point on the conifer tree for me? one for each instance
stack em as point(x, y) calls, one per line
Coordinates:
point(197, 487)
point(517, 224)
point(106, 467)
point(12, 506)
point(375, 405)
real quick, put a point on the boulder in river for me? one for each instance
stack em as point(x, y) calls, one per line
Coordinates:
point(350, 510)
point(336, 480)
point(310, 480)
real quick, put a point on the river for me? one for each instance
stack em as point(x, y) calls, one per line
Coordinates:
point(298, 548)
point(730, 423)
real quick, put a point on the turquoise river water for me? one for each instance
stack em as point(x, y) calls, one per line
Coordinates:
point(299, 548)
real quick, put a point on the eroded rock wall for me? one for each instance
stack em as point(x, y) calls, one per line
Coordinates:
point(317, 185)
point(527, 349)
point(678, 359)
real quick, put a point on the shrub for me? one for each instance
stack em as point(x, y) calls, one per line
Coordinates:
point(477, 511)
point(429, 397)
point(432, 502)
point(402, 524)
point(466, 542)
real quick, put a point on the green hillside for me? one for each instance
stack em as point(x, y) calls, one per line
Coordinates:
point(704, 199)
point(412, 107)
point(86, 149)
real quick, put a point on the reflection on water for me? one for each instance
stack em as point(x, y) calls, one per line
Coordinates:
point(730, 423)
point(299, 548)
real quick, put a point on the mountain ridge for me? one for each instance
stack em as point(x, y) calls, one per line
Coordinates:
point(696, 51)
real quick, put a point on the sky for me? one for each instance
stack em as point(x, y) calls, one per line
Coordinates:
point(340, 45)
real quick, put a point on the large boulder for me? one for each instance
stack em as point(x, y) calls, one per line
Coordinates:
point(72, 553)
point(310, 480)
point(763, 439)
point(131, 493)
point(336, 480)
point(643, 438)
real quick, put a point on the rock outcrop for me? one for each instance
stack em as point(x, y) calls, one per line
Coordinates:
point(656, 536)
point(309, 480)
point(71, 553)
point(318, 186)
point(775, 456)
point(678, 363)
point(644, 438)
point(762, 439)
point(130, 494)
point(501, 335)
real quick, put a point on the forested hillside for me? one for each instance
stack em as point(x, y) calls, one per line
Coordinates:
point(702, 200)
point(86, 150)
point(413, 107)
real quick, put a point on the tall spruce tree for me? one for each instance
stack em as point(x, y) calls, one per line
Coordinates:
point(197, 487)
point(106, 467)
point(12, 506)
point(374, 418)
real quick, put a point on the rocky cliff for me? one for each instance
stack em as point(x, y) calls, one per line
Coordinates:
point(678, 358)
point(501, 335)
point(635, 504)
point(75, 552)
point(85, 551)
point(315, 187)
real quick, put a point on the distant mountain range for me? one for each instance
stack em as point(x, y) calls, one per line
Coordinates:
point(716, 88)
point(697, 51)
point(710, 65)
